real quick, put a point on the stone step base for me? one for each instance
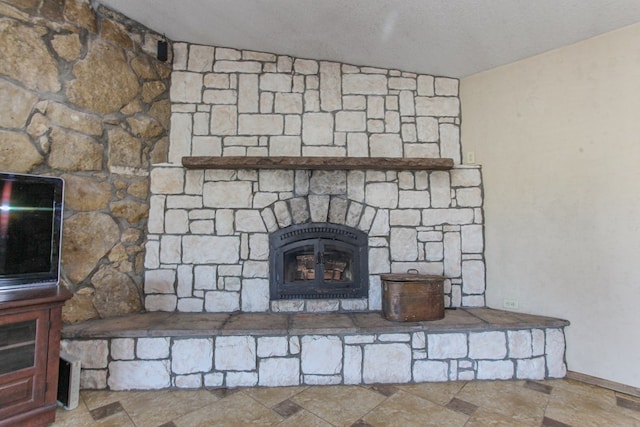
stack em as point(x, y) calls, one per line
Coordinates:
point(159, 350)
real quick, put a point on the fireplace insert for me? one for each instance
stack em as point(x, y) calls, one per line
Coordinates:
point(318, 260)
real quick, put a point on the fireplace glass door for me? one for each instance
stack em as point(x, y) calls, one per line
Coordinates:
point(318, 262)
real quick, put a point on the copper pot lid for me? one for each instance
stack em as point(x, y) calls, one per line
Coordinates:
point(410, 276)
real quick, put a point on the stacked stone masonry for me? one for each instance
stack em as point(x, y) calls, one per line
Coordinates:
point(84, 98)
point(227, 102)
point(208, 244)
point(207, 247)
point(317, 355)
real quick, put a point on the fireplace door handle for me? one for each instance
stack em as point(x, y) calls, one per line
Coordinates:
point(320, 258)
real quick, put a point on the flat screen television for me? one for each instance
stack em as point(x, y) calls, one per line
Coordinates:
point(30, 230)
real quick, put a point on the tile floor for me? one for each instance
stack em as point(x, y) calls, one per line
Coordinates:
point(554, 403)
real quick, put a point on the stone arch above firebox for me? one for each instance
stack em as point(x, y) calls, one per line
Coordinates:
point(358, 199)
point(332, 209)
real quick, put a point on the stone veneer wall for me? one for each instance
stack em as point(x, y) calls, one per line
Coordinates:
point(207, 246)
point(83, 97)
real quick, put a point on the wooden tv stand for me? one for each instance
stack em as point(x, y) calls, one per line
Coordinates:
point(30, 322)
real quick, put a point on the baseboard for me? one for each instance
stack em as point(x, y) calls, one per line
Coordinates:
point(600, 382)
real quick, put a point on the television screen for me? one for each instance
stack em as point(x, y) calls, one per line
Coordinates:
point(30, 230)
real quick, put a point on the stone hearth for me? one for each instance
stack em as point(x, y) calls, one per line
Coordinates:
point(194, 350)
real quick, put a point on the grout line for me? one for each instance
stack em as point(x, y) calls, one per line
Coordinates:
point(244, 392)
point(546, 407)
point(472, 314)
point(375, 407)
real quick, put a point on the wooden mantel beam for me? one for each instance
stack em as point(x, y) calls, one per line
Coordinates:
point(323, 163)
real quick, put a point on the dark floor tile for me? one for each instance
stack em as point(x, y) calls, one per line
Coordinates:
point(361, 423)
point(542, 388)
point(286, 408)
point(627, 403)
point(461, 406)
point(221, 393)
point(107, 410)
point(550, 422)
point(385, 390)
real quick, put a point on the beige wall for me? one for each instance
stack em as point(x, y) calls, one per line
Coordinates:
point(558, 136)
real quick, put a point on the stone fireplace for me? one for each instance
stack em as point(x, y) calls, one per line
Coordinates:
point(208, 243)
point(263, 146)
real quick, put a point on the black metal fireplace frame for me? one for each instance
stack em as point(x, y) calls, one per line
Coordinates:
point(318, 235)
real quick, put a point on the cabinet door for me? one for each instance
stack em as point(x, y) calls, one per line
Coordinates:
point(23, 352)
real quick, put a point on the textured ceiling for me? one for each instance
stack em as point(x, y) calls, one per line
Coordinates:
point(453, 38)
